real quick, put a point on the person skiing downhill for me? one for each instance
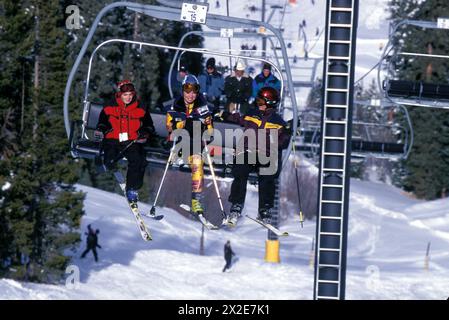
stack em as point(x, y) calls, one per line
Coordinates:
point(91, 242)
point(263, 118)
point(228, 254)
point(123, 121)
point(190, 109)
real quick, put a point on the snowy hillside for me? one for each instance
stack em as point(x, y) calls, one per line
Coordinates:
point(388, 236)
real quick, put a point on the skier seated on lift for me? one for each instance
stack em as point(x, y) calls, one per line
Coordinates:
point(265, 118)
point(123, 121)
point(190, 109)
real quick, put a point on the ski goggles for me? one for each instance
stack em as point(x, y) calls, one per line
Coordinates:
point(190, 87)
point(264, 102)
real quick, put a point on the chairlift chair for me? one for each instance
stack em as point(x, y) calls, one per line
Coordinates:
point(380, 140)
point(80, 132)
point(410, 92)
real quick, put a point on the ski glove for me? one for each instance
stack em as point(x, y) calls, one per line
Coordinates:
point(98, 135)
point(222, 115)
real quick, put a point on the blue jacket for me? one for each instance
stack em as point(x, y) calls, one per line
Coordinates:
point(212, 85)
point(260, 81)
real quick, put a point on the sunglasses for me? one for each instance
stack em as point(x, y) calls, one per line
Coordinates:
point(190, 87)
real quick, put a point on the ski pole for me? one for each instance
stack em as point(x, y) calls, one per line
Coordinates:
point(153, 208)
point(301, 216)
point(214, 179)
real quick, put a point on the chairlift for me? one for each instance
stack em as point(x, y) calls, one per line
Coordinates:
point(80, 132)
point(410, 92)
point(382, 139)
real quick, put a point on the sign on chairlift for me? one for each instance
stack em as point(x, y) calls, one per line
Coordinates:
point(226, 33)
point(194, 12)
point(443, 23)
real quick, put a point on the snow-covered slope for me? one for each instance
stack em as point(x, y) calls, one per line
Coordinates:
point(388, 236)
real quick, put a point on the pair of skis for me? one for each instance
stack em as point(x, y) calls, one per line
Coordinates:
point(212, 226)
point(144, 231)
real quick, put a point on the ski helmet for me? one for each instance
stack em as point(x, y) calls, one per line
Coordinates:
point(268, 96)
point(126, 86)
point(190, 83)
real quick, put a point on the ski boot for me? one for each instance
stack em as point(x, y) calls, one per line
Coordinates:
point(132, 196)
point(197, 207)
point(264, 215)
point(235, 213)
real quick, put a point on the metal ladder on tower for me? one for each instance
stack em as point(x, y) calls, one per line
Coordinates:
point(332, 221)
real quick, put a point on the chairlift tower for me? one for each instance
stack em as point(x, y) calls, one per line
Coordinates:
point(335, 155)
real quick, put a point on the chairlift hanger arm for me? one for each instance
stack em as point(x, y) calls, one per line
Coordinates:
point(212, 21)
point(197, 50)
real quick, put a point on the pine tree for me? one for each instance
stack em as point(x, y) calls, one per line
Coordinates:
point(40, 209)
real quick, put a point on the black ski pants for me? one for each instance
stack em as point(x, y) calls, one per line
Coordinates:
point(136, 157)
point(266, 184)
point(228, 263)
point(94, 251)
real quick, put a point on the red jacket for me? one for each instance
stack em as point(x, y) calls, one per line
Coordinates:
point(133, 119)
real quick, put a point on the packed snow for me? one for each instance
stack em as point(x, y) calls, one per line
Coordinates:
point(388, 236)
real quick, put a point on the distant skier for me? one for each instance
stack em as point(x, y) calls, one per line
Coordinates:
point(228, 254)
point(123, 120)
point(91, 242)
